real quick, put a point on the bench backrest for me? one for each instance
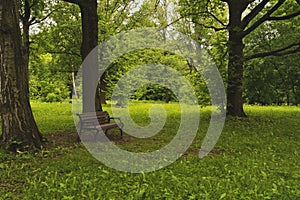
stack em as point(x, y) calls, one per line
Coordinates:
point(101, 116)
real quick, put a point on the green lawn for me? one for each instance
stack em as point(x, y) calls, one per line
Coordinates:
point(255, 158)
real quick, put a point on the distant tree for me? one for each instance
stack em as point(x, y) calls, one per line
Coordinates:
point(244, 17)
point(273, 80)
point(19, 129)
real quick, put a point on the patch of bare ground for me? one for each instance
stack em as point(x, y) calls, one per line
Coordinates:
point(69, 139)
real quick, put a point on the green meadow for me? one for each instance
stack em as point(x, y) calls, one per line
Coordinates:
point(255, 158)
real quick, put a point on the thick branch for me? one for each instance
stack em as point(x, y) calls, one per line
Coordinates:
point(263, 18)
point(290, 49)
point(78, 2)
point(211, 27)
point(284, 17)
point(254, 13)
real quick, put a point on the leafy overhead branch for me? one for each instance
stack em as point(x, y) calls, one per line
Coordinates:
point(175, 21)
point(290, 49)
point(204, 25)
point(263, 18)
point(34, 21)
point(253, 13)
point(215, 17)
point(285, 17)
point(156, 4)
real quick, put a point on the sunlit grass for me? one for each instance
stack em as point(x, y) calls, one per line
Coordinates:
point(53, 117)
point(255, 158)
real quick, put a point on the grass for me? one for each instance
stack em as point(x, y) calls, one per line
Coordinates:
point(255, 158)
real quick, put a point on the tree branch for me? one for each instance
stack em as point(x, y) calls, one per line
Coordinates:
point(284, 17)
point(253, 13)
point(263, 18)
point(173, 22)
point(206, 26)
point(33, 21)
point(65, 52)
point(34, 3)
point(211, 27)
point(216, 18)
point(78, 2)
point(290, 49)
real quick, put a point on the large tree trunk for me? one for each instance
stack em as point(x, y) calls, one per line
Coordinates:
point(236, 60)
point(19, 130)
point(89, 18)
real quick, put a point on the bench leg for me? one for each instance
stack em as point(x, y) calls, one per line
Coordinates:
point(78, 136)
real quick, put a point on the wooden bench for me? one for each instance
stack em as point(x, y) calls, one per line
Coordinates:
point(99, 120)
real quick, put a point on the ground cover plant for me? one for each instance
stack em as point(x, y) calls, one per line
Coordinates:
point(255, 158)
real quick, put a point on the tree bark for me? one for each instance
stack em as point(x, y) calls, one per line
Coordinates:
point(19, 129)
point(102, 90)
point(89, 18)
point(235, 60)
point(167, 96)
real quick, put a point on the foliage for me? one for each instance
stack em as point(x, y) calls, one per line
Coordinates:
point(147, 58)
point(273, 80)
point(54, 59)
point(249, 161)
point(271, 25)
point(46, 84)
point(197, 19)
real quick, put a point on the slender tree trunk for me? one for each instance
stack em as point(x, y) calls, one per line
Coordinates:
point(235, 61)
point(19, 130)
point(102, 90)
point(167, 96)
point(25, 27)
point(74, 85)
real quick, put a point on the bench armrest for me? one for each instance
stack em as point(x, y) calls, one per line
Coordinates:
point(118, 118)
